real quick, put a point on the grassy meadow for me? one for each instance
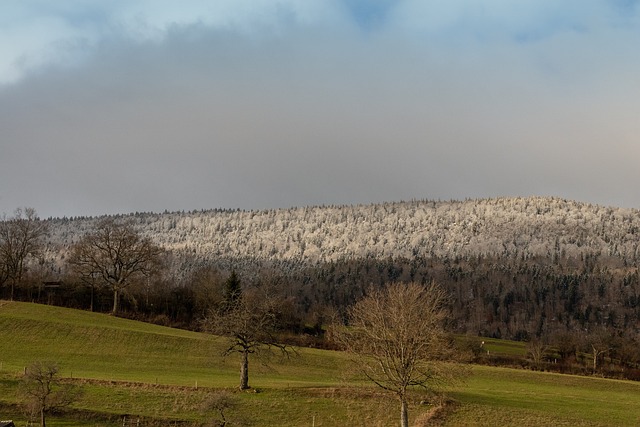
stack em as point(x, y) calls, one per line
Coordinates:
point(164, 374)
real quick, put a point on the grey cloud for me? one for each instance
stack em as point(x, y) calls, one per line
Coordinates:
point(210, 118)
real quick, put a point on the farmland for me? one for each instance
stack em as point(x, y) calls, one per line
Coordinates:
point(163, 374)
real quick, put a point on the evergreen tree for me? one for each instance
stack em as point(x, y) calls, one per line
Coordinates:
point(232, 292)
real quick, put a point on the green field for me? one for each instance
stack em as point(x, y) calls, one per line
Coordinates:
point(153, 372)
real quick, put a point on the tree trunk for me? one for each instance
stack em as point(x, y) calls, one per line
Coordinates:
point(404, 414)
point(42, 418)
point(596, 354)
point(244, 371)
point(116, 296)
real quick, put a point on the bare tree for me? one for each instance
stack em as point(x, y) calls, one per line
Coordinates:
point(42, 392)
point(249, 320)
point(537, 350)
point(565, 344)
point(597, 343)
point(20, 237)
point(397, 336)
point(115, 254)
point(206, 283)
point(219, 402)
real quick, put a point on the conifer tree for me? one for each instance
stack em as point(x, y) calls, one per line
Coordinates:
point(232, 292)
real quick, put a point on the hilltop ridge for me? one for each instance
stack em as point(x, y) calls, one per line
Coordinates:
point(500, 227)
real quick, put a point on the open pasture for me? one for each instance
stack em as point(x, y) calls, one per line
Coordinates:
point(158, 373)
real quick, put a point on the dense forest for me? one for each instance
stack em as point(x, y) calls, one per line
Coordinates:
point(518, 268)
point(505, 228)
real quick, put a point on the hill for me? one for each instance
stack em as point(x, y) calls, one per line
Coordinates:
point(516, 267)
point(505, 227)
point(99, 346)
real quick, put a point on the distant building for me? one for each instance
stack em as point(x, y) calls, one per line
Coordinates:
point(51, 288)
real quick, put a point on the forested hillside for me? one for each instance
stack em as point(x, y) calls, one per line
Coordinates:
point(515, 267)
point(505, 227)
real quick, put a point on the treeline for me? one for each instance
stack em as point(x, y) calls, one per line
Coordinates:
point(518, 299)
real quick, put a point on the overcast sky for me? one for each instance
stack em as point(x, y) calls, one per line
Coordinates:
point(117, 106)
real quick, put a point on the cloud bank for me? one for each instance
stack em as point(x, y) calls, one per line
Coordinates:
point(146, 106)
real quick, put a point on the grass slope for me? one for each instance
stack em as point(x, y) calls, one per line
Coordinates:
point(98, 346)
point(128, 367)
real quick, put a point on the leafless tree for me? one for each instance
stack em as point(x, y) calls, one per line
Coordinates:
point(250, 324)
point(206, 283)
point(537, 350)
point(597, 343)
point(397, 337)
point(115, 254)
point(219, 402)
point(565, 344)
point(20, 237)
point(42, 392)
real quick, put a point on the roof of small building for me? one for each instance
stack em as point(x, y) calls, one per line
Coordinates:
point(7, 424)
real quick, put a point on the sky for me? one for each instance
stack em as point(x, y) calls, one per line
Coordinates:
point(118, 106)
